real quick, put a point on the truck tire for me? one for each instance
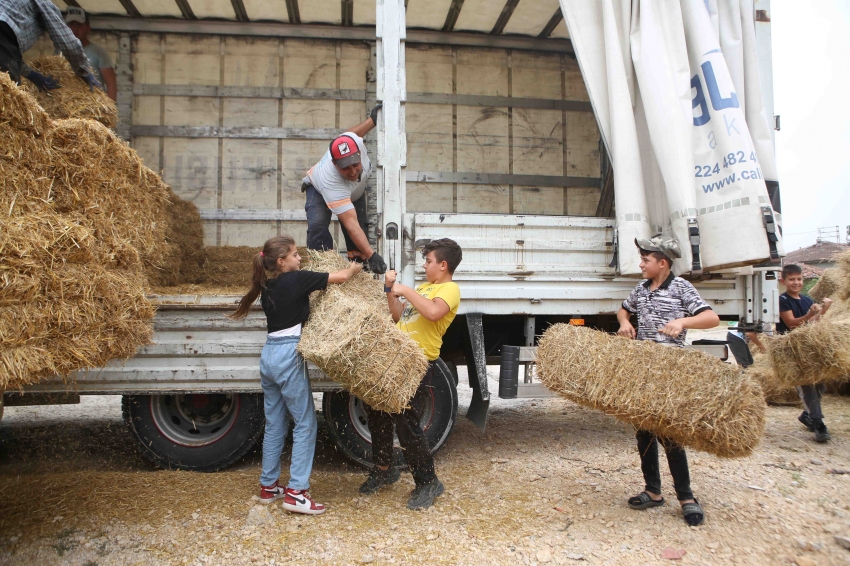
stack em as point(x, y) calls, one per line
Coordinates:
point(201, 433)
point(345, 417)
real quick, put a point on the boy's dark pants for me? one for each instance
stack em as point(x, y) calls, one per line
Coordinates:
point(811, 396)
point(676, 458)
point(417, 453)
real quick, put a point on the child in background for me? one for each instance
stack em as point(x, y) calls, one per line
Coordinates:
point(666, 306)
point(286, 388)
point(796, 310)
point(429, 311)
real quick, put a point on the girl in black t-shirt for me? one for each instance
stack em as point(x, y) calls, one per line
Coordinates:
point(285, 298)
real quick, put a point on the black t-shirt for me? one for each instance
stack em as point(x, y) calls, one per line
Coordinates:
point(286, 298)
point(798, 307)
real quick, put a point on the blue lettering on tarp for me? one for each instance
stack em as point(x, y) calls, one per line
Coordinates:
point(719, 184)
point(730, 126)
point(699, 100)
point(717, 101)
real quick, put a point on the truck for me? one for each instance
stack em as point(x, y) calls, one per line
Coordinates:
point(492, 134)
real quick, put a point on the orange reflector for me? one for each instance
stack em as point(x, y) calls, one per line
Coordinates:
point(577, 321)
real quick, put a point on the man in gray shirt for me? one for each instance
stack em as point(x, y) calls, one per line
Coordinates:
point(101, 63)
point(21, 24)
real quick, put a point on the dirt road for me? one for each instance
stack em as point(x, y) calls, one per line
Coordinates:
point(547, 483)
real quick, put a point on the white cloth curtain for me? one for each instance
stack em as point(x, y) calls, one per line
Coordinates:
point(675, 88)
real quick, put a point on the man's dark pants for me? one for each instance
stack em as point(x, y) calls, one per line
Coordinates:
point(417, 453)
point(319, 220)
point(676, 458)
point(10, 53)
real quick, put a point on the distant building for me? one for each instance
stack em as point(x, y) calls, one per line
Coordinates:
point(819, 256)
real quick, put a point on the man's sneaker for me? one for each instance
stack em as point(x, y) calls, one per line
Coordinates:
point(299, 501)
point(270, 493)
point(806, 421)
point(378, 478)
point(821, 433)
point(423, 496)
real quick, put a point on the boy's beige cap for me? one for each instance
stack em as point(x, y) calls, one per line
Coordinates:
point(658, 243)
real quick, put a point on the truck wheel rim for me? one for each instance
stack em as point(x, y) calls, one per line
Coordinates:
point(423, 400)
point(194, 420)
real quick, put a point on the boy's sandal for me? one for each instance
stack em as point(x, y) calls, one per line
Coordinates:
point(643, 501)
point(693, 513)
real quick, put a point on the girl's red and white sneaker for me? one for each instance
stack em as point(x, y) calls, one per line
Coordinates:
point(271, 493)
point(299, 501)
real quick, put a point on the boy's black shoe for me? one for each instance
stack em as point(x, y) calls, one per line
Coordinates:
point(423, 496)
point(821, 433)
point(378, 478)
point(806, 420)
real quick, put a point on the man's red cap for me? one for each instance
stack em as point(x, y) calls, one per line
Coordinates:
point(345, 152)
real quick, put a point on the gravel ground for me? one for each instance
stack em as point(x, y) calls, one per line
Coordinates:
point(546, 483)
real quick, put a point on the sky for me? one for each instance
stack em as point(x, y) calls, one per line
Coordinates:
point(811, 83)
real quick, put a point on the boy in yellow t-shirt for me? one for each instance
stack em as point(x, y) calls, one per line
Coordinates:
point(429, 311)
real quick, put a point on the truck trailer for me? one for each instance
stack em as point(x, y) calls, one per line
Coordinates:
point(495, 132)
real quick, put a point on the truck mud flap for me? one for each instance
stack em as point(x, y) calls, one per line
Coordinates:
point(476, 365)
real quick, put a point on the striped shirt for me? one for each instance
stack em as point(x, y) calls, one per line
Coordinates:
point(675, 298)
point(30, 18)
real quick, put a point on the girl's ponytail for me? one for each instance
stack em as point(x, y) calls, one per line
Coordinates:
point(265, 261)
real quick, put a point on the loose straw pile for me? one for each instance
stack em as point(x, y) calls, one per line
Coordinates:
point(685, 395)
point(351, 337)
point(74, 99)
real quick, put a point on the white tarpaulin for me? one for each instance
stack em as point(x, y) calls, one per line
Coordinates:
point(675, 88)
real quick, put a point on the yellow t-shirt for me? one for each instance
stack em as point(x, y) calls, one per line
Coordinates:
point(428, 334)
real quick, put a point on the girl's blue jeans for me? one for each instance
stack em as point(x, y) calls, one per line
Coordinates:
point(286, 392)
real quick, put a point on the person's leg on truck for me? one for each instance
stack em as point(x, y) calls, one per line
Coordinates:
point(318, 220)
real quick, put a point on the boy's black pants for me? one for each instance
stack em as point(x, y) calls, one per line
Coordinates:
point(676, 458)
point(417, 453)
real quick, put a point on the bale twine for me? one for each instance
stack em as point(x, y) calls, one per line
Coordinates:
point(685, 395)
point(74, 99)
point(351, 337)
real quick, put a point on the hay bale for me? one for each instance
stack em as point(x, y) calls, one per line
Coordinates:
point(833, 284)
point(685, 395)
point(229, 266)
point(96, 171)
point(74, 99)
point(351, 337)
point(774, 393)
point(813, 353)
point(183, 262)
point(20, 110)
point(84, 316)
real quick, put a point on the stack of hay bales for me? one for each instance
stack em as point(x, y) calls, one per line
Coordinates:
point(80, 220)
point(74, 99)
point(682, 394)
point(817, 351)
point(351, 337)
